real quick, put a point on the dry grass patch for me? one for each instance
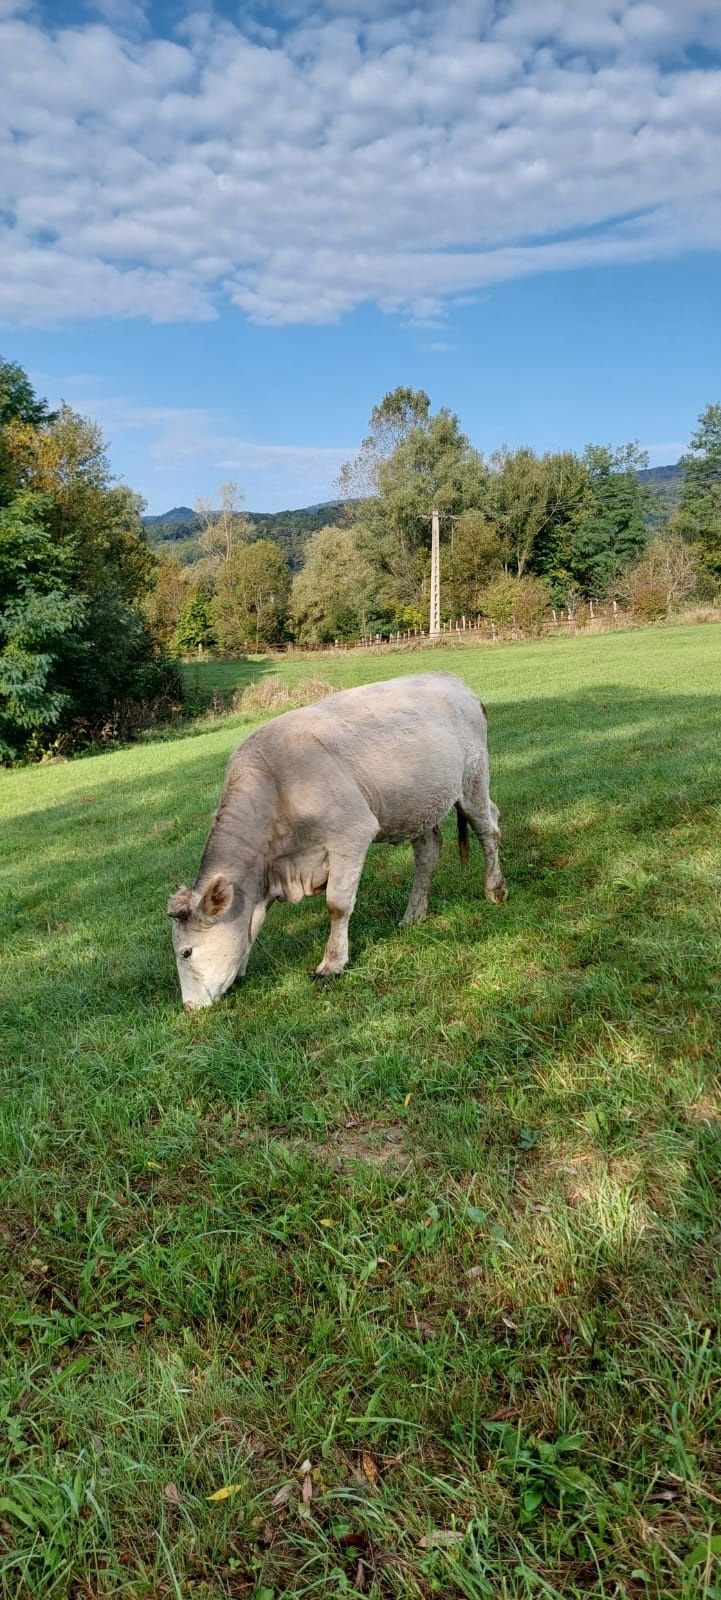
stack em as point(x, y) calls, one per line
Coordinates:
point(272, 694)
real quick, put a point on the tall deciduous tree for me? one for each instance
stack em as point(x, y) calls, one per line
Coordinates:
point(251, 597)
point(163, 605)
point(535, 501)
point(330, 597)
point(396, 415)
point(433, 465)
point(223, 526)
point(470, 558)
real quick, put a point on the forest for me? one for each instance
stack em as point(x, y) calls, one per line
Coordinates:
point(96, 609)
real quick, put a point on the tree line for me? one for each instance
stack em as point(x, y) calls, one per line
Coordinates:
point(92, 621)
point(521, 532)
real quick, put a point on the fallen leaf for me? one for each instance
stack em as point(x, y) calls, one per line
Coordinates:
point(306, 1467)
point(225, 1493)
point(504, 1414)
point(171, 1492)
point(407, 1100)
point(474, 1272)
point(283, 1495)
point(306, 1493)
point(154, 1166)
point(360, 1576)
point(370, 1470)
point(441, 1539)
point(326, 1222)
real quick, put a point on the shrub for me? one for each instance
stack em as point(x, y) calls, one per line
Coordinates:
point(524, 601)
point(666, 575)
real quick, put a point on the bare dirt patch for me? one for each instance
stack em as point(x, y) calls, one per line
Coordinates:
point(379, 1145)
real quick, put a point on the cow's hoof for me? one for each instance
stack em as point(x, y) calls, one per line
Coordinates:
point(409, 918)
point(322, 973)
point(497, 893)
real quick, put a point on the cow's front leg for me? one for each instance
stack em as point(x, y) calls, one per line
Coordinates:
point(426, 850)
point(344, 874)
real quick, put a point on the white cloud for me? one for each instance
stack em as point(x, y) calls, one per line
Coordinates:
point(404, 155)
point(198, 442)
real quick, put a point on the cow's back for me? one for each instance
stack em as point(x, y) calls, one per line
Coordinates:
point(405, 743)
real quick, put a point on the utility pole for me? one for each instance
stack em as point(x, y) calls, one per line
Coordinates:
point(435, 617)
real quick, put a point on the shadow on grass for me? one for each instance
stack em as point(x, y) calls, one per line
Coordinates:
point(203, 680)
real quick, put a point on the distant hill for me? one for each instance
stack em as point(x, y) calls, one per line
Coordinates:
point(176, 533)
point(179, 517)
point(665, 481)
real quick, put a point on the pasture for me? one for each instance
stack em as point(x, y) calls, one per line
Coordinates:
point(448, 1230)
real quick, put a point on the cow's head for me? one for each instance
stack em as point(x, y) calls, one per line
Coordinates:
point(213, 930)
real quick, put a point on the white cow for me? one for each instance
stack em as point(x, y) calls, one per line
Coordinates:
point(305, 796)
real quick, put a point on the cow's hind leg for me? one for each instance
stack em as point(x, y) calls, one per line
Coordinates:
point(483, 816)
point(426, 849)
point(344, 874)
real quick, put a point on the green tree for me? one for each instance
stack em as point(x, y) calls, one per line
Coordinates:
point(433, 465)
point(37, 613)
point(470, 559)
point(535, 502)
point(399, 413)
point(331, 596)
point(610, 531)
point(163, 605)
point(698, 518)
point(195, 629)
point(251, 597)
point(89, 551)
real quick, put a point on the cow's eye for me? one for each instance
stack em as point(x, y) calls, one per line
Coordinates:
point(186, 954)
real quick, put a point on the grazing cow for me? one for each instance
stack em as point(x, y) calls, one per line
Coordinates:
point(304, 797)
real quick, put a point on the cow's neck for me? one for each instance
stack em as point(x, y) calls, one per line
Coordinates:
point(240, 840)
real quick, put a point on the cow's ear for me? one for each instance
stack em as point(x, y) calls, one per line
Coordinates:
point(179, 903)
point(217, 897)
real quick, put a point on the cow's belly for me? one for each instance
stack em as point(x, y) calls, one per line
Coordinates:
point(407, 809)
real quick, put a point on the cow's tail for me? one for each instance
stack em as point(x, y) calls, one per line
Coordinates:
point(462, 821)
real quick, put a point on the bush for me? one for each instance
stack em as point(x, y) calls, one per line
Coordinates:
point(523, 601)
point(667, 575)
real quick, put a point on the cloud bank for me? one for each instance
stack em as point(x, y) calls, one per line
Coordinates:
point(356, 152)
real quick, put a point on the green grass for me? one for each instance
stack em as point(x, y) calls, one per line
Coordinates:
point(448, 1229)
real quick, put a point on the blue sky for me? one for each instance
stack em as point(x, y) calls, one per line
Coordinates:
point(226, 232)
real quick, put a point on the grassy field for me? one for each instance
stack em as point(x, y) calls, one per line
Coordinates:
point(447, 1230)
